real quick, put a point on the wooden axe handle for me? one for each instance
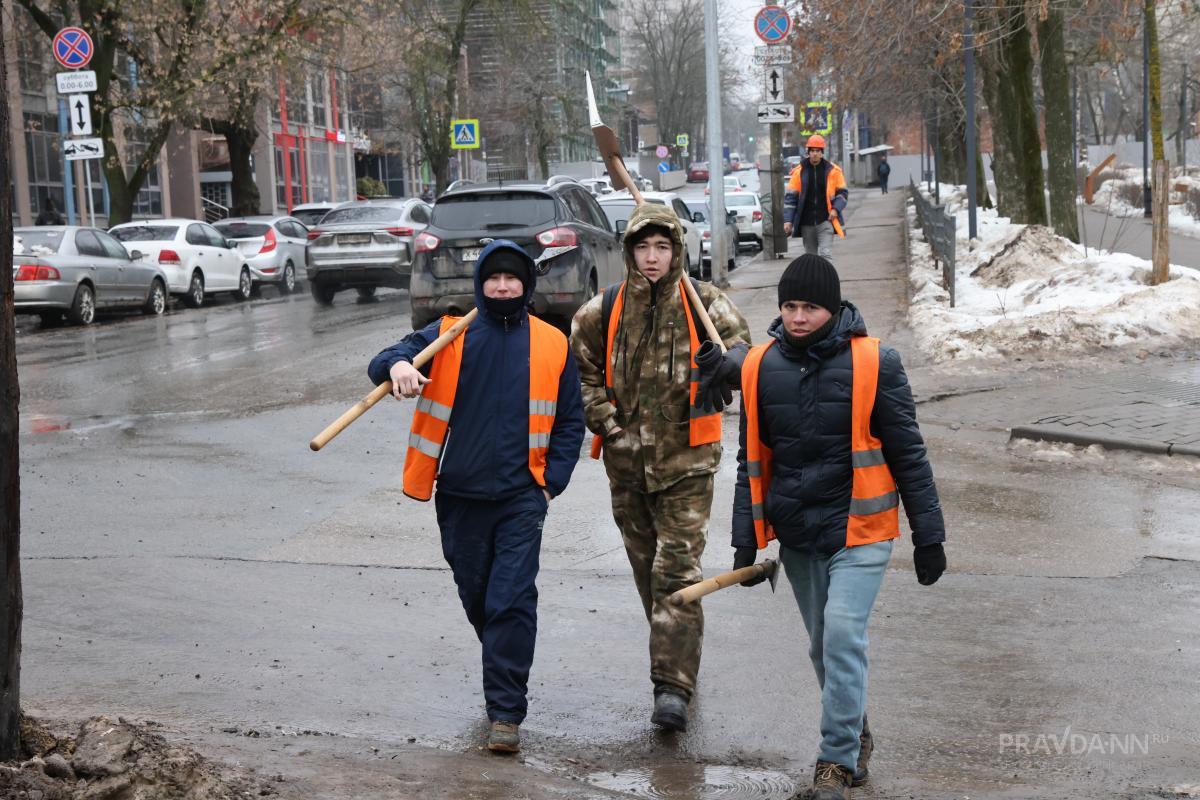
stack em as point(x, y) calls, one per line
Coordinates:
point(705, 320)
point(384, 389)
point(690, 594)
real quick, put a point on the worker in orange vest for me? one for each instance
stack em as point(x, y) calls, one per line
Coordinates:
point(829, 448)
point(814, 202)
point(509, 391)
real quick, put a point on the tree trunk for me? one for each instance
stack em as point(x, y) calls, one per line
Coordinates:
point(10, 476)
point(1029, 142)
point(246, 197)
point(998, 92)
point(1182, 131)
point(1156, 134)
point(982, 198)
point(1056, 87)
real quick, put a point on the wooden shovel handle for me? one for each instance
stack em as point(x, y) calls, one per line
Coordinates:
point(384, 389)
point(690, 594)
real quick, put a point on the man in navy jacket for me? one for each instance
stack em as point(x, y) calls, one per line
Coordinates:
point(493, 487)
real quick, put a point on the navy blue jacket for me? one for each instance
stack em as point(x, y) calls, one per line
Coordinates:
point(487, 448)
point(804, 405)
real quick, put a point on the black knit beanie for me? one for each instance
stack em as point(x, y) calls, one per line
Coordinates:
point(812, 279)
point(505, 260)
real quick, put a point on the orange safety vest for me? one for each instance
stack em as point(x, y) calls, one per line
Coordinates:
point(834, 180)
point(874, 502)
point(704, 427)
point(431, 420)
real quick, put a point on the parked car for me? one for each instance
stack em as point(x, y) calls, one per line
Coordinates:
point(197, 260)
point(749, 216)
point(790, 163)
point(732, 184)
point(597, 186)
point(702, 216)
point(559, 224)
point(618, 207)
point(272, 246)
point(644, 184)
point(697, 172)
point(310, 214)
point(364, 245)
point(78, 271)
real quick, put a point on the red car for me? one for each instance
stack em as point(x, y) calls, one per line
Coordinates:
point(697, 172)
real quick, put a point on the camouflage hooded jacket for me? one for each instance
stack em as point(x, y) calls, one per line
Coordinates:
point(651, 368)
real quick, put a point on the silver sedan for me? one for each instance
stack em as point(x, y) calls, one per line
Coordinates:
point(272, 246)
point(77, 271)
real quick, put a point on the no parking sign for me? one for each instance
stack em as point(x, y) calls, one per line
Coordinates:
point(73, 48)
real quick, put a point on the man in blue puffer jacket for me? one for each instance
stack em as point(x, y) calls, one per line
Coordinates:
point(829, 447)
point(500, 424)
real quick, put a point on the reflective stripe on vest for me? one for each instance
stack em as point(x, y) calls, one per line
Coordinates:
point(704, 427)
point(426, 441)
point(874, 502)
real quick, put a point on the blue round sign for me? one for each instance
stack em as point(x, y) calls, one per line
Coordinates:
point(664, 167)
point(772, 24)
point(72, 47)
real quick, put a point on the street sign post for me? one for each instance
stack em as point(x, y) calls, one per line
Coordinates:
point(772, 55)
point(73, 82)
point(83, 149)
point(73, 48)
point(81, 114)
point(818, 118)
point(464, 134)
point(661, 151)
point(773, 85)
point(772, 24)
point(776, 112)
point(682, 140)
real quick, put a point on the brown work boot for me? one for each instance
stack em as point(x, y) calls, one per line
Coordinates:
point(831, 782)
point(866, 746)
point(504, 737)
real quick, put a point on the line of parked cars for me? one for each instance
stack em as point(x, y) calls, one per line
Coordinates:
point(573, 237)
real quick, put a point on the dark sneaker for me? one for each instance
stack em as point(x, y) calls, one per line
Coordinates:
point(866, 746)
point(504, 737)
point(831, 782)
point(670, 712)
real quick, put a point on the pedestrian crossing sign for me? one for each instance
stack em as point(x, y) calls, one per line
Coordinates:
point(464, 134)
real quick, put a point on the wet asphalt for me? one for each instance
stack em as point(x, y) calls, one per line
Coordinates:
point(187, 559)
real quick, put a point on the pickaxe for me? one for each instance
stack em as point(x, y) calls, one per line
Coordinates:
point(768, 569)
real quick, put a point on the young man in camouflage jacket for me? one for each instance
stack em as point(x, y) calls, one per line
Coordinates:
point(657, 412)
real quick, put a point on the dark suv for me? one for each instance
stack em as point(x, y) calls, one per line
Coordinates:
point(559, 224)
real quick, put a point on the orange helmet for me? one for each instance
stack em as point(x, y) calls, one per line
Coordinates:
point(816, 140)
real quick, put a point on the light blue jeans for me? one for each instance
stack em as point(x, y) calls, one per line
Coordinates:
point(835, 594)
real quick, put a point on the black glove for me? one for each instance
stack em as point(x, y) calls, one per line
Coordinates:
point(718, 373)
point(930, 561)
point(744, 557)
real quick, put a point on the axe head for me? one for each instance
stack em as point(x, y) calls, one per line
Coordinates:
point(771, 571)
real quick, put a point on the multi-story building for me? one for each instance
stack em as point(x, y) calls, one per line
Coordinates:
point(306, 156)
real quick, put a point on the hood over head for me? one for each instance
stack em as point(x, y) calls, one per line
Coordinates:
point(504, 250)
point(654, 214)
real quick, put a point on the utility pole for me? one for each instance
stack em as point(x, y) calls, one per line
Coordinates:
point(10, 474)
point(716, 161)
point(1147, 209)
point(969, 48)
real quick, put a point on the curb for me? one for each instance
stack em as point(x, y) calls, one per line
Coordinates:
point(1041, 433)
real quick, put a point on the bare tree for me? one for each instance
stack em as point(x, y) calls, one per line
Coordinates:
point(667, 38)
point(10, 476)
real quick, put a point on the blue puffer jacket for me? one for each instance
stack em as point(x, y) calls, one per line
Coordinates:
point(487, 448)
point(804, 403)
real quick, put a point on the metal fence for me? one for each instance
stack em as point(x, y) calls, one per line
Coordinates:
point(940, 231)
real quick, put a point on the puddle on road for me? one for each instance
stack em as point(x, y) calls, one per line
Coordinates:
point(697, 782)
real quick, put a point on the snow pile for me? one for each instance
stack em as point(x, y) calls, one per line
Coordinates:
point(1111, 198)
point(1022, 290)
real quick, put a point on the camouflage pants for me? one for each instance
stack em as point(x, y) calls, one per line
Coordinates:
point(664, 534)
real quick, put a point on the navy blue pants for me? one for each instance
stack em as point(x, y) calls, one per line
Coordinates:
point(492, 549)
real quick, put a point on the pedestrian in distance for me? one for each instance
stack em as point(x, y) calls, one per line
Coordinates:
point(508, 389)
point(829, 446)
point(50, 215)
point(654, 387)
point(814, 203)
point(883, 170)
